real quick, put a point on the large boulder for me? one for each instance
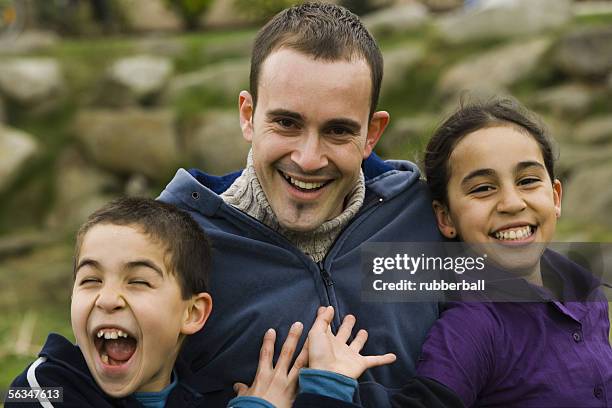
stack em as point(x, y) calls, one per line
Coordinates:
point(31, 81)
point(16, 149)
point(225, 79)
point(28, 42)
point(504, 19)
point(136, 79)
point(397, 19)
point(130, 141)
point(494, 70)
point(586, 52)
point(589, 183)
point(573, 99)
point(151, 15)
point(595, 130)
point(80, 189)
point(398, 61)
point(213, 141)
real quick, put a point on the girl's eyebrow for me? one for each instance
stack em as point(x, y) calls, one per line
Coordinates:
point(526, 164)
point(477, 173)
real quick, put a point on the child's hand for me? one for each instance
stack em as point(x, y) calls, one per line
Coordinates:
point(277, 385)
point(331, 353)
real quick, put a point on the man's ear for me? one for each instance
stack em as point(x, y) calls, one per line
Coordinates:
point(197, 313)
point(444, 220)
point(245, 107)
point(377, 126)
point(557, 195)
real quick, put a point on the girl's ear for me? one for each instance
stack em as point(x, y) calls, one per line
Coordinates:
point(445, 222)
point(557, 194)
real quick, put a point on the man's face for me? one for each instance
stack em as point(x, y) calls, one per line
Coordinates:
point(309, 134)
point(127, 311)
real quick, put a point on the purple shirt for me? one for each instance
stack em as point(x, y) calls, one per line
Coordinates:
point(546, 354)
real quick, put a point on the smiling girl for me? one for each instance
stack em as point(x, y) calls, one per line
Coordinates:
point(490, 168)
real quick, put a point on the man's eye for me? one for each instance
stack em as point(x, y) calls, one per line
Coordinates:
point(528, 180)
point(286, 123)
point(340, 131)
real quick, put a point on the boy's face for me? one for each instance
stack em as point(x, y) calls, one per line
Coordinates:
point(127, 310)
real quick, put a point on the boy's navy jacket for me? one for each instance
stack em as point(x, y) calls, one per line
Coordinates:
point(64, 366)
point(259, 280)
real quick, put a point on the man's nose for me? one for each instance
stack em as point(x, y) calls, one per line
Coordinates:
point(110, 298)
point(309, 153)
point(511, 201)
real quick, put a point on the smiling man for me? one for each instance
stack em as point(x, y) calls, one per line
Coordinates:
point(287, 231)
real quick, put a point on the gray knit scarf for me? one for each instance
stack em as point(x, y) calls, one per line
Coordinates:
point(247, 195)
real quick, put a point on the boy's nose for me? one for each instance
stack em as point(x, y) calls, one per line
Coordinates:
point(110, 299)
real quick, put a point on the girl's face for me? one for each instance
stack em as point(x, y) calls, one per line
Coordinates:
point(500, 193)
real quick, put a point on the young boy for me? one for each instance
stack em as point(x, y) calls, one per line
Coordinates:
point(140, 287)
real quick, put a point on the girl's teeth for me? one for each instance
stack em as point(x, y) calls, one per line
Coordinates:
point(514, 234)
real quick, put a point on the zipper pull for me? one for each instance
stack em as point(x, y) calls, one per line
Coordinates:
point(325, 275)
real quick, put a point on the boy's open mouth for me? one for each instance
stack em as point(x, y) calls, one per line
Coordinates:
point(115, 346)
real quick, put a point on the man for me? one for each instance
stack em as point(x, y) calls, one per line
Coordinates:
point(287, 232)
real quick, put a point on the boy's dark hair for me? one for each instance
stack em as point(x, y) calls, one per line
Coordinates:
point(469, 118)
point(323, 31)
point(185, 242)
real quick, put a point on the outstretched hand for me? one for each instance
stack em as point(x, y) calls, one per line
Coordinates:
point(277, 385)
point(332, 353)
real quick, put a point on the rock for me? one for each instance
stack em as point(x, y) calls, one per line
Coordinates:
point(30, 81)
point(494, 70)
point(506, 19)
point(137, 78)
point(150, 15)
point(595, 130)
point(225, 79)
point(571, 99)
point(80, 189)
point(130, 141)
point(16, 149)
point(407, 132)
point(28, 42)
point(398, 62)
point(396, 20)
point(586, 52)
point(575, 157)
point(586, 198)
point(213, 142)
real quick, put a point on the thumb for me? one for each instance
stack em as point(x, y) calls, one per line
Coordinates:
point(240, 389)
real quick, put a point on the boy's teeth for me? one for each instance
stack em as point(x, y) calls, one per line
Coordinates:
point(104, 358)
point(109, 334)
point(514, 234)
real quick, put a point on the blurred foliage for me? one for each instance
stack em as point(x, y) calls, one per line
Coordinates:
point(190, 10)
point(263, 9)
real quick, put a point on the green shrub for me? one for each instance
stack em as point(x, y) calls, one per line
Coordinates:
point(190, 11)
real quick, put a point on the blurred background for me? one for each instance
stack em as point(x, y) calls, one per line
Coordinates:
point(103, 98)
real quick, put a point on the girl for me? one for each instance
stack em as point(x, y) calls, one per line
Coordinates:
point(491, 174)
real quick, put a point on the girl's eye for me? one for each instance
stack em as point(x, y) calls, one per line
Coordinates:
point(482, 189)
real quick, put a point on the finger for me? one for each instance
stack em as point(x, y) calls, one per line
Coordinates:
point(323, 320)
point(359, 341)
point(300, 362)
point(286, 354)
point(240, 389)
point(346, 328)
point(266, 353)
point(375, 361)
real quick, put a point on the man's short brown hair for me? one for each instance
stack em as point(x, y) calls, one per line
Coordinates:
point(323, 31)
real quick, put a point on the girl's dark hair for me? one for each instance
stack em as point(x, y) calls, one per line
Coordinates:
point(469, 118)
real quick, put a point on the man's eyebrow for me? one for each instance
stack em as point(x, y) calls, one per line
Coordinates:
point(284, 112)
point(144, 263)
point(350, 123)
point(477, 173)
point(87, 262)
point(531, 163)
